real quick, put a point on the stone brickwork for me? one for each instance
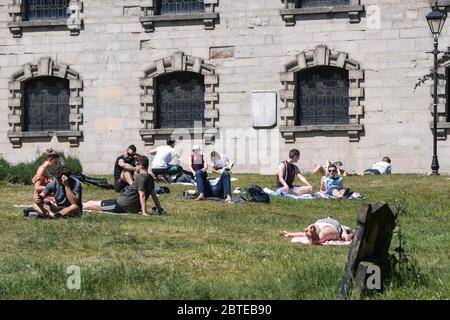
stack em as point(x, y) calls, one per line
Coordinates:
point(252, 46)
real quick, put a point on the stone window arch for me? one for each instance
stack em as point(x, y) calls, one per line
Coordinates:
point(155, 11)
point(321, 56)
point(45, 68)
point(177, 63)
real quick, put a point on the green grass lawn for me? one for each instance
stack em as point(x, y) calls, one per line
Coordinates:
point(210, 250)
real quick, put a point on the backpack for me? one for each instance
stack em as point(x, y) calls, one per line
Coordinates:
point(254, 193)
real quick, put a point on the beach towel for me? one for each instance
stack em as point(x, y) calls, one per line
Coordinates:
point(291, 196)
point(354, 195)
point(304, 240)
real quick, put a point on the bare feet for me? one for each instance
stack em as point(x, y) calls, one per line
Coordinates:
point(49, 213)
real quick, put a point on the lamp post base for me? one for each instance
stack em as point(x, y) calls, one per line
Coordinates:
point(435, 166)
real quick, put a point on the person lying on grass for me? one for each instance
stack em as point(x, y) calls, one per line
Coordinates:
point(323, 230)
point(332, 184)
point(323, 168)
point(67, 192)
point(132, 199)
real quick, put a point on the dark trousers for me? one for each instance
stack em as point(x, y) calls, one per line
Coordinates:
point(219, 190)
point(170, 171)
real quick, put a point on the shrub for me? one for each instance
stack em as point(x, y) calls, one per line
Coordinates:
point(24, 172)
point(4, 169)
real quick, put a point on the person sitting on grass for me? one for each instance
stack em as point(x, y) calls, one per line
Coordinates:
point(42, 177)
point(124, 169)
point(197, 165)
point(332, 185)
point(222, 189)
point(164, 155)
point(323, 230)
point(134, 198)
point(67, 191)
point(287, 171)
point(220, 162)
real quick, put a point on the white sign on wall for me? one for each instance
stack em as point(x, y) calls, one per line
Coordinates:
point(264, 109)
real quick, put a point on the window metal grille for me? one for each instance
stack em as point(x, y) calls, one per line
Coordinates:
point(181, 100)
point(181, 6)
point(46, 105)
point(46, 9)
point(320, 3)
point(323, 96)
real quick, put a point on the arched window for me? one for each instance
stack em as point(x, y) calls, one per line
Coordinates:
point(320, 3)
point(46, 10)
point(323, 96)
point(46, 104)
point(180, 100)
point(170, 7)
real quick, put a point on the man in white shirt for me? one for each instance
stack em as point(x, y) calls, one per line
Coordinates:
point(163, 157)
point(382, 167)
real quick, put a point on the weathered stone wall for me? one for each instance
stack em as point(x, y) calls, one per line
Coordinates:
point(249, 46)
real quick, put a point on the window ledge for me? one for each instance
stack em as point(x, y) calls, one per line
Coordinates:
point(38, 23)
point(148, 135)
point(74, 25)
point(288, 132)
point(16, 137)
point(323, 127)
point(353, 11)
point(208, 19)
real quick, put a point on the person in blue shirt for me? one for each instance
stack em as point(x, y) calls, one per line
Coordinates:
point(332, 184)
point(67, 191)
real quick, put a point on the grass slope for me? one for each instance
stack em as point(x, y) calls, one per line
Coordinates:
point(209, 250)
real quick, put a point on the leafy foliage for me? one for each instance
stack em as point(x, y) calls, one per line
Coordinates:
point(22, 173)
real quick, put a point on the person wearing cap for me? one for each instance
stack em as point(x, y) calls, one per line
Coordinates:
point(197, 165)
point(163, 157)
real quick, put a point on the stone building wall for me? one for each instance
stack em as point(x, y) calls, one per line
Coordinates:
point(243, 46)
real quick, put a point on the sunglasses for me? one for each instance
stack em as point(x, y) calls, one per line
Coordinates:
point(331, 170)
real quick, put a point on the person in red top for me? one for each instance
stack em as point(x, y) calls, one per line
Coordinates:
point(287, 171)
point(42, 178)
point(197, 161)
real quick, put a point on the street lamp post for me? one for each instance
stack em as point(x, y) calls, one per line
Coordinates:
point(436, 19)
